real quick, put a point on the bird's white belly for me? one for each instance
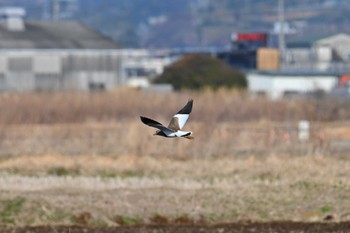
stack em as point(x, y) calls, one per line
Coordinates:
point(178, 133)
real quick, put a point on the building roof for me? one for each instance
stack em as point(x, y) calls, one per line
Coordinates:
point(54, 35)
point(340, 45)
point(299, 45)
point(299, 73)
point(334, 39)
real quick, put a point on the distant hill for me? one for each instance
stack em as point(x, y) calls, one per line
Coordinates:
point(176, 23)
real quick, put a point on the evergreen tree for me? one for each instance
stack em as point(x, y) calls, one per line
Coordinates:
point(198, 71)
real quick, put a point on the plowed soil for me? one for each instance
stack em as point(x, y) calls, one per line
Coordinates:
point(220, 228)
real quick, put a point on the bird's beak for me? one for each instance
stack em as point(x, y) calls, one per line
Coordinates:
point(189, 137)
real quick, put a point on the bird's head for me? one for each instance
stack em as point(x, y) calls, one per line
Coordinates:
point(156, 133)
point(159, 133)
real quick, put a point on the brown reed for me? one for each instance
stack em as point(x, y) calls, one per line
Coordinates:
point(127, 104)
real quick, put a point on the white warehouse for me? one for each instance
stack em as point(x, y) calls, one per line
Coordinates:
point(278, 84)
point(54, 55)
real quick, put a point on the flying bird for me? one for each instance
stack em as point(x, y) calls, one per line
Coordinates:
point(176, 124)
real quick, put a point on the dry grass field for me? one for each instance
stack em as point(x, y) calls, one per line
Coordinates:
point(86, 159)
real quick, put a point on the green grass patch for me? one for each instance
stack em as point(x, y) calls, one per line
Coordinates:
point(305, 185)
point(10, 208)
point(58, 216)
point(268, 177)
point(62, 171)
point(124, 174)
point(132, 174)
point(127, 220)
point(98, 223)
point(263, 214)
point(326, 209)
point(107, 175)
point(159, 219)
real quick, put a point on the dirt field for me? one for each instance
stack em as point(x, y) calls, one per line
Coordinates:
point(129, 190)
point(89, 173)
point(104, 191)
point(242, 227)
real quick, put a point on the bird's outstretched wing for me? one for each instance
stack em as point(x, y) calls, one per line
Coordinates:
point(155, 124)
point(180, 118)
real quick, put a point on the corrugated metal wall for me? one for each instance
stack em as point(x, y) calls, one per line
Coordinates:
point(54, 70)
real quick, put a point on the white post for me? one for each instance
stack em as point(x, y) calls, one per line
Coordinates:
point(304, 130)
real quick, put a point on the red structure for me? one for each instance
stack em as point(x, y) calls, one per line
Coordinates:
point(251, 36)
point(243, 53)
point(344, 80)
point(248, 41)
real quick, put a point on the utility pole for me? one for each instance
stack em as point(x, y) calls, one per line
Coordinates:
point(281, 33)
point(56, 9)
point(63, 9)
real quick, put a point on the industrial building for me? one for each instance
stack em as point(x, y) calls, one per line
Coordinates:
point(54, 55)
point(244, 48)
point(318, 67)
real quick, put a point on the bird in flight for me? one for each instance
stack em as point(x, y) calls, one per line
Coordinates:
point(176, 124)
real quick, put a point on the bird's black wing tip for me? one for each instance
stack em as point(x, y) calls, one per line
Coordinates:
point(143, 119)
point(187, 108)
point(149, 122)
